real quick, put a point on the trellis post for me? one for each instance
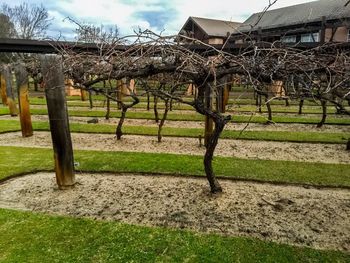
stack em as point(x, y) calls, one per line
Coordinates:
point(23, 100)
point(3, 89)
point(11, 100)
point(51, 66)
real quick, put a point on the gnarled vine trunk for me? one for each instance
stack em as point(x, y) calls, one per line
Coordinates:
point(220, 121)
point(162, 121)
point(124, 108)
point(155, 108)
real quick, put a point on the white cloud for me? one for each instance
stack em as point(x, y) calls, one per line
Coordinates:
point(123, 13)
point(229, 10)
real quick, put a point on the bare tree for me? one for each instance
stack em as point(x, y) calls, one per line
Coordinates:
point(29, 21)
point(90, 33)
point(7, 29)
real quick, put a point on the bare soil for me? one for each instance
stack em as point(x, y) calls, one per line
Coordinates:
point(324, 153)
point(317, 218)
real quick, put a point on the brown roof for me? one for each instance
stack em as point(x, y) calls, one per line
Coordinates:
point(213, 27)
point(298, 14)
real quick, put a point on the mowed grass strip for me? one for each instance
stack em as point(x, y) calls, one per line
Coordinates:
point(19, 160)
point(282, 136)
point(236, 108)
point(195, 117)
point(33, 237)
point(235, 98)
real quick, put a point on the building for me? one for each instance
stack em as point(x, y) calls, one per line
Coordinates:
point(318, 21)
point(210, 31)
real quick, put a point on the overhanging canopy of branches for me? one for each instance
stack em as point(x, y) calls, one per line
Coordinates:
point(317, 73)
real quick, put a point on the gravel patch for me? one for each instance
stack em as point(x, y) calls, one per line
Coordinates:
point(265, 150)
point(317, 218)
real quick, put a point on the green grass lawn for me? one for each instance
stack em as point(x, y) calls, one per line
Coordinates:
point(22, 160)
point(31, 237)
point(236, 107)
point(287, 136)
point(195, 116)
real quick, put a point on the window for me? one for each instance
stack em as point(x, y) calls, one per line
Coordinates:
point(310, 37)
point(289, 39)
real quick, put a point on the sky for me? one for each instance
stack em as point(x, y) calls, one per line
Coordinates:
point(160, 16)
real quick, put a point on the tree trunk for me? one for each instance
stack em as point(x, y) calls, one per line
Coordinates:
point(162, 121)
point(35, 82)
point(148, 101)
point(287, 102)
point(301, 104)
point(348, 145)
point(90, 100)
point(269, 111)
point(208, 157)
point(23, 100)
point(324, 113)
point(209, 124)
point(259, 102)
point(108, 108)
point(11, 100)
point(201, 105)
point(3, 89)
point(171, 105)
point(119, 94)
point(155, 108)
point(51, 67)
point(119, 132)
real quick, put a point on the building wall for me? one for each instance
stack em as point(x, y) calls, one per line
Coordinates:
point(215, 41)
point(340, 36)
point(198, 33)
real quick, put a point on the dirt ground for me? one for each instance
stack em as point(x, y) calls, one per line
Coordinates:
point(317, 218)
point(329, 153)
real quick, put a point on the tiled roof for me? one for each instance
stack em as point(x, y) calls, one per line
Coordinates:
point(213, 27)
point(298, 14)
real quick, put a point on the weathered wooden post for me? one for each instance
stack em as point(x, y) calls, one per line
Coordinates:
point(23, 100)
point(228, 84)
point(3, 89)
point(11, 100)
point(222, 94)
point(51, 67)
point(83, 95)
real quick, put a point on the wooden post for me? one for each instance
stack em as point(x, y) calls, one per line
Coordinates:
point(222, 94)
point(23, 100)
point(11, 100)
point(126, 87)
point(209, 123)
point(226, 96)
point(83, 95)
point(228, 86)
point(3, 89)
point(190, 90)
point(51, 67)
point(132, 86)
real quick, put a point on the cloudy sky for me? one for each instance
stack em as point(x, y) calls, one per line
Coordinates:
point(157, 15)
